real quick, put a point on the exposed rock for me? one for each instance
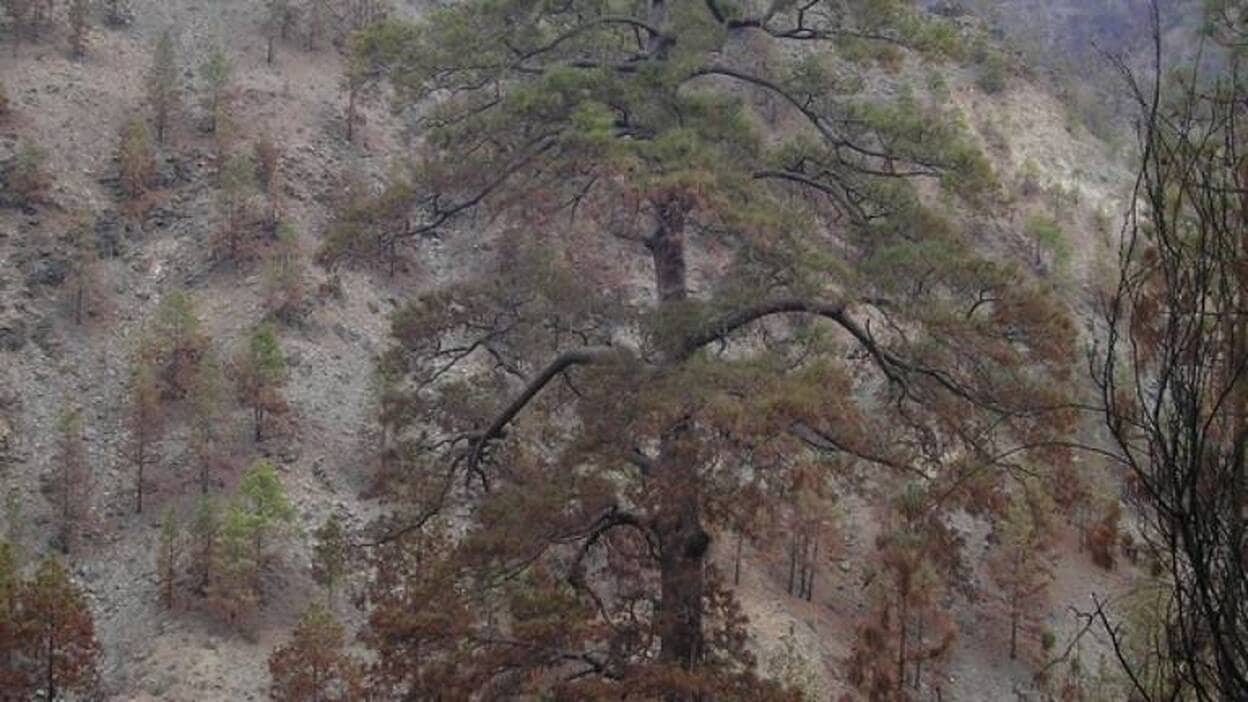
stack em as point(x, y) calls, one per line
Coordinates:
point(44, 338)
point(108, 234)
point(12, 334)
point(346, 334)
point(8, 439)
point(48, 270)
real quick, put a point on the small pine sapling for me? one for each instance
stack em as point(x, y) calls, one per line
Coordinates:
point(330, 555)
point(145, 417)
point(27, 175)
point(164, 95)
point(79, 17)
point(71, 480)
point(168, 555)
point(136, 163)
point(204, 537)
point(259, 374)
point(314, 664)
point(285, 295)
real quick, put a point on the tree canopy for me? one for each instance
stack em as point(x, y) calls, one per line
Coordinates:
point(721, 254)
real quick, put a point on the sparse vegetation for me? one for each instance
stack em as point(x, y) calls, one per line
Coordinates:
point(168, 557)
point(1021, 562)
point(792, 666)
point(907, 633)
point(266, 156)
point(235, 238)
point(71, 482)
point(26, 175)
point(84, 286)
point(1049, 240)
point(176, 346)
point(79, 17)
point(285, 296)
point(22, 18)
point(146, 424)
point(279, 19)
point(216, 73)
point(136, 162)
point(207, 423)
point(992, 69)
point(316, 17)
point(164, 95)
point(204, 537)
point(118, 13)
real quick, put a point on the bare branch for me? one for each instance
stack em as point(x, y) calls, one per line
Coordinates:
point(824, 441)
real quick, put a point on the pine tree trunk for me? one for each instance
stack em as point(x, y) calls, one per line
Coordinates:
point(736, 563)
point(351, 113)
point(170, 578)
point(918, 660)
point(65, 498)
point(810, 570)
point(138, 482)
point(50, 685)
point(901, 645)
point(203, 476)
point(683, 542)
point(792, 563)
point(1014, 631)
point(683, 546)
point(801, 564)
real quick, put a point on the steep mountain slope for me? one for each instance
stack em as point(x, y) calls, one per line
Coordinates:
point(47, 363)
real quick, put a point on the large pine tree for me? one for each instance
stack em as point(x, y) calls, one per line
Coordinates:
point(717, 250)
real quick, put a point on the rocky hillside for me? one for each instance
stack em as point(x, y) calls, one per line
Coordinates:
point(1052, 169)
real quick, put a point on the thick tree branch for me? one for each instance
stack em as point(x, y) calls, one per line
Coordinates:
point(724, 326)
point(566, 360)
point(720, 329)
point(894, 367)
